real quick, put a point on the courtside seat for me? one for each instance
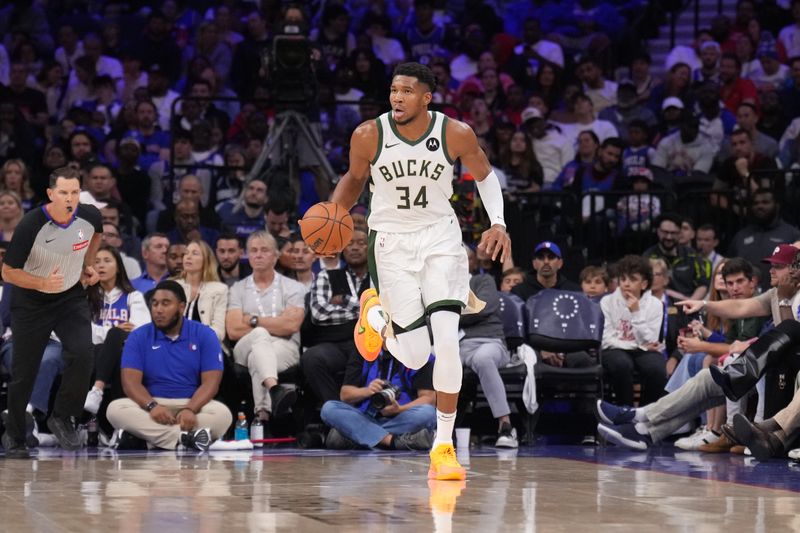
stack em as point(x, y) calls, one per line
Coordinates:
point(559, 383)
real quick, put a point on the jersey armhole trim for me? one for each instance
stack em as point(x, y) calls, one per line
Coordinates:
point(380, 141)
point(445, 119)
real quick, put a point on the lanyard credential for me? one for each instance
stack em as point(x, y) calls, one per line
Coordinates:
point(275, 287)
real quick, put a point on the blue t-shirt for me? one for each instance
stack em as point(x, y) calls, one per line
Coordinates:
point(145, 283)
point(237, 221)
point(171, 369)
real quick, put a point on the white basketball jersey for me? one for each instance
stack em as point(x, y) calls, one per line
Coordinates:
point(411, 182)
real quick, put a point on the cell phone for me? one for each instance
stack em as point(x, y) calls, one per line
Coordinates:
point(686, 332)
point(338, 279)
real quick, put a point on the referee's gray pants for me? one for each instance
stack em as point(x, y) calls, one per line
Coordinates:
point(31, 323)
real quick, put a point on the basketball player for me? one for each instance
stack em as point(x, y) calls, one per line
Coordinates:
point(49, 265)
point(416, 259)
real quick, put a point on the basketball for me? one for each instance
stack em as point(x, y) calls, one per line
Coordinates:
point(327, 228)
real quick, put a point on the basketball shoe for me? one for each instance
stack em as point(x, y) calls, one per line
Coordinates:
point(369, 341)
point(444, 465)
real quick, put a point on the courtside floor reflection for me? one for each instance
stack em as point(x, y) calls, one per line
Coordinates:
point(543, 488)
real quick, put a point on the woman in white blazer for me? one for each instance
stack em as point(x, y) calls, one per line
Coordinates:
point(206, 295)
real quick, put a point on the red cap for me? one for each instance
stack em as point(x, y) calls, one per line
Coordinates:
point(784, 254)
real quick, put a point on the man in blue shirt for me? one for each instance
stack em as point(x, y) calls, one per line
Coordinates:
point(171, 371)
point(154, 254)
point(245, 215)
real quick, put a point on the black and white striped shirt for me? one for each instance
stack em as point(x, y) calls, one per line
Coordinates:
point(40, 243)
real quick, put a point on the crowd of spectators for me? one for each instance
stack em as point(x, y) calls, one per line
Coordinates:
point(165, 107)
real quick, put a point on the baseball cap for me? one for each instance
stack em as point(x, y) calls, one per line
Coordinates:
point(672, 101)
point(530, 113)
point(783, 254)
point(550, 246)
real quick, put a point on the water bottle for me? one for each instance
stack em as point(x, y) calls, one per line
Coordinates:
point(240, 432)
point(257, 432)
point(92, 437)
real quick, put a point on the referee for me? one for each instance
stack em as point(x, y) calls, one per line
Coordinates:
point(49, 263)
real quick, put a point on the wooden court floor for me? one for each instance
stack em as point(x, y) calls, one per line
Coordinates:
point(541, 489)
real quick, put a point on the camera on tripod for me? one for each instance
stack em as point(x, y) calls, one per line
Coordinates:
point(386, 396)
point(291, 74)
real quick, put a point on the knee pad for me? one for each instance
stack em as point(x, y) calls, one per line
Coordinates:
point(412, 348)
point(447, 371)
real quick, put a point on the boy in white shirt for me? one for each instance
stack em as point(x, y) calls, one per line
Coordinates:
point(633, 319)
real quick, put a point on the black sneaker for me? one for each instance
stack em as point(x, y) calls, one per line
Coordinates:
point(199, 439)
point(337, 441)
point(14, 449)
point(420, 440)
point(283, 398)
point(123, 440)
point(507, 437)
point(64, 430)
point(31, 441)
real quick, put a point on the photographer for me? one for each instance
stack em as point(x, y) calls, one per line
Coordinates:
point(384, 405)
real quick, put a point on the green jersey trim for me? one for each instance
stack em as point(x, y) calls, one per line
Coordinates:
point(380, 141)
point(408, 141)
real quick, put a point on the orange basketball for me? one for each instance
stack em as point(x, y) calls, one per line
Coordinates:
point(327, 228)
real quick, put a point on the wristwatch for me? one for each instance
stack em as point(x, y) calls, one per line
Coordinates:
point(150, 405)
point(254, 321)
point(784, 302)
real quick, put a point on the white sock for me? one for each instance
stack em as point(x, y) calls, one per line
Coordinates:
point(29, 409)
point(95, 387)
point(375, 318)
point(445, 422)
point(640, 416)
point(641, 429)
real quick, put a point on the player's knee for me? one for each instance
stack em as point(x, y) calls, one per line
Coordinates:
point(447, 375)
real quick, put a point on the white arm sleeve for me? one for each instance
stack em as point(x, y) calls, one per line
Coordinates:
point(492, 198)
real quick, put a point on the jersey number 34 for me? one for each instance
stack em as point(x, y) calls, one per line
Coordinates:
point(420, 200)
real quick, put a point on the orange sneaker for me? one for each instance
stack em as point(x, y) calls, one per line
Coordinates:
point(444, 495)
point(368, 341)
point(444, 465)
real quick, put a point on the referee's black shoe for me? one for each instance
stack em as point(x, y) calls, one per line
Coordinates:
point(64, 430)
point(14, 449)
point(31, 440)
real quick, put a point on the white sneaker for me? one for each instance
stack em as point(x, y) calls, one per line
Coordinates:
point(93, 400)
point(699, 438)
point(794, 455)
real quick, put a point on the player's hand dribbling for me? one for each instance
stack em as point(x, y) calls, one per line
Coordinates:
point(89, 276)
point(54, 282)
point(495, 243)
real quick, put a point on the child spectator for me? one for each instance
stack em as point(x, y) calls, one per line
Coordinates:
point(633, 318)
point(594, 281)
point(511, 278)
point(638, 210)
point(638, 153)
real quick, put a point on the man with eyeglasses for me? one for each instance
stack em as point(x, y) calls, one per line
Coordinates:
point(690, 272)
point(112, 237)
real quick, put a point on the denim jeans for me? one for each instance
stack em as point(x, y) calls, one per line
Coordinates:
point(52, 366)
point(368, 431)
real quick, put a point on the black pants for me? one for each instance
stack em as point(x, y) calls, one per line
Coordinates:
point(323, 367)
point(620, 364)
point(31, 323)
point(107, 361)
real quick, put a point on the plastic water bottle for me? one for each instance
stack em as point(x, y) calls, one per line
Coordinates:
point(257, 432)
point(240, 432)
point(92, 436)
